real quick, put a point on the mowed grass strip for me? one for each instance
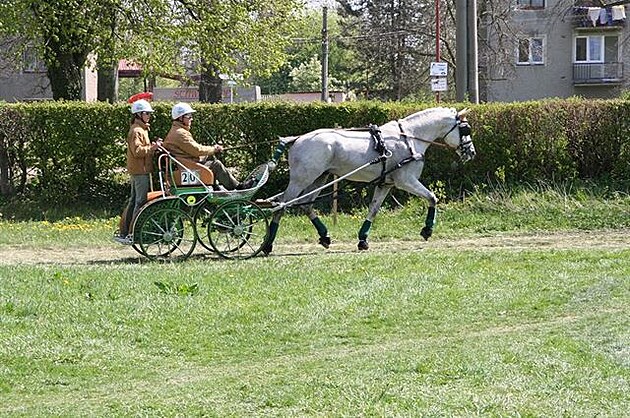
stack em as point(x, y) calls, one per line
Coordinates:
point(531, 208)
point(438, 332)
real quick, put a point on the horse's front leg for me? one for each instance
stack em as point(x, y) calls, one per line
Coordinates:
point(418, 189)
point(429, 222)
point(380, 193)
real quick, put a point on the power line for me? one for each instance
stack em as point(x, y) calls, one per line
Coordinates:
point(372, 36)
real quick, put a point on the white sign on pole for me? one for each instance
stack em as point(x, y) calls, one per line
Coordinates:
point(439, 84)
point(439, 69)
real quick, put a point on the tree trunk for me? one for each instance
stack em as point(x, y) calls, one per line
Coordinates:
point(107, 82)
point(210, 87)
point(6, 188)
point(65, 76)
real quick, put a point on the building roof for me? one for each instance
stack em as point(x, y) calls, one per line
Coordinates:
point(129, 69)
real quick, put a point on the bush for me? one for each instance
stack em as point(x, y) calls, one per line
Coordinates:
point(71, 153)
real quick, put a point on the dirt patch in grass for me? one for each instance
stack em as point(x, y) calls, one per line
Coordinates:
point(111, 253)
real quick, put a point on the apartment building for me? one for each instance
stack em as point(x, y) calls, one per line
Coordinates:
point(555, 48)
point(26, 80)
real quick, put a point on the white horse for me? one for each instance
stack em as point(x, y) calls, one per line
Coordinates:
point(396, 160)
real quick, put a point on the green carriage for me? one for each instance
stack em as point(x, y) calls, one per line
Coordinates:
point(189, 208)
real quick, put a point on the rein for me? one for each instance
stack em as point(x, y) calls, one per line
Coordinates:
point(367, 129)
point(439, 144)
point(273, 141)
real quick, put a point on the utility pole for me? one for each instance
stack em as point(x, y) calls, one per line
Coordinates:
point(437, 41)
point(467, 55)
point(473, 56)
point(461, 55)
point(325, 54)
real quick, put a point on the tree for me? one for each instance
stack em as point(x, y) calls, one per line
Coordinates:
point(308, 77)
point(237, 37)
point(63, 30)
point(66, 32)
point(394, 42)
point(304, 55)
point(160, 35)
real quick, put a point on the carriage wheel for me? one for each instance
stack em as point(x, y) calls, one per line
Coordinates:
point(238, 229)
point(148, 209)
point(166, 233)
point(202, 217)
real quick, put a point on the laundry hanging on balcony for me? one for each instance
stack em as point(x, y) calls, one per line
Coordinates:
point(618, 13)
point(593, 14)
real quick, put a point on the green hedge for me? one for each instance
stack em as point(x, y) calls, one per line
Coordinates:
point(61, 153)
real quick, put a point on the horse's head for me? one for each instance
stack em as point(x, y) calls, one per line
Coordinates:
point(459, 137)
point(441, 124)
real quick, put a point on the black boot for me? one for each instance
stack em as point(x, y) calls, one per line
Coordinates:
point(247, 184)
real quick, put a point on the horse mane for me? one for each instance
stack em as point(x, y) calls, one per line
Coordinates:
point(424, 116)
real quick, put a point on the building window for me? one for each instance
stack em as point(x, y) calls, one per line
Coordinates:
point(596, 48)
point(530, 4)
point(530, 51)
point(31, 62)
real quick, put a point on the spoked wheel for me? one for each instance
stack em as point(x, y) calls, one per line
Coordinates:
point(238, 229)
point(145, 211)
point(202, 218)
point(166, 232)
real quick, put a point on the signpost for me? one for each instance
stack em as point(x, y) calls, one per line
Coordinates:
point(439, 84)
point(439, 69)
point(438, 72)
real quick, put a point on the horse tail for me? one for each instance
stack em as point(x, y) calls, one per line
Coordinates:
point(282, 145)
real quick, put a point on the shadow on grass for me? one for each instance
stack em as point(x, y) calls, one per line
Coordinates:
point(213, 258)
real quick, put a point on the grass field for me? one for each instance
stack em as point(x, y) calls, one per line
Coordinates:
point(518, 306)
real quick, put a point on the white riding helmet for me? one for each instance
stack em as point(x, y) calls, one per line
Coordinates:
point(181, 109)
point(141, 106)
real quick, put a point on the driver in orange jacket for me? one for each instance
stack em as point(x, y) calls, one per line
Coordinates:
point(180, 143)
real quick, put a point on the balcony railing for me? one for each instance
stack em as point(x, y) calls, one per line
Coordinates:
point(595, 17)
point(598, 73)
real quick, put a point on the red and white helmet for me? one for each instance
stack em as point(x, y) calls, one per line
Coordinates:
point(181, 109)
point(141, 106)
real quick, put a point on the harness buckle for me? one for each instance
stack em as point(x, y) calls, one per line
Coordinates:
point(379, 143)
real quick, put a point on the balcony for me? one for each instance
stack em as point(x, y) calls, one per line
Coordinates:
point(613, 17)
point(598, 73)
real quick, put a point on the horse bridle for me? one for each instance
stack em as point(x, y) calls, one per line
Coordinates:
point(464, 131)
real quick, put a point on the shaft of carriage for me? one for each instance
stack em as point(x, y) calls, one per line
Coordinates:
point(282, 205)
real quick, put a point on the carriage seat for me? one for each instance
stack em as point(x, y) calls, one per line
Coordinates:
point(190, 176)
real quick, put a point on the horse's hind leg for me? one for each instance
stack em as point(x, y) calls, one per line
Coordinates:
point(380, 193)
point(273, 231)
point(322, 231)
point(293, 191)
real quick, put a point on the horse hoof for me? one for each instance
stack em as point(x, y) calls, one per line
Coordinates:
point(363, 245)
point(267, 249)
point(426, 233)
point(324, 241)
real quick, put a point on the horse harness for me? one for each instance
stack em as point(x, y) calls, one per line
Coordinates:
point(384, 153)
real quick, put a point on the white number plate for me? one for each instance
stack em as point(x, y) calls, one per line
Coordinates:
point(190, 177)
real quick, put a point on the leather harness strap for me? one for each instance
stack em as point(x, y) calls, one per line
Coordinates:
point(384, 153)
